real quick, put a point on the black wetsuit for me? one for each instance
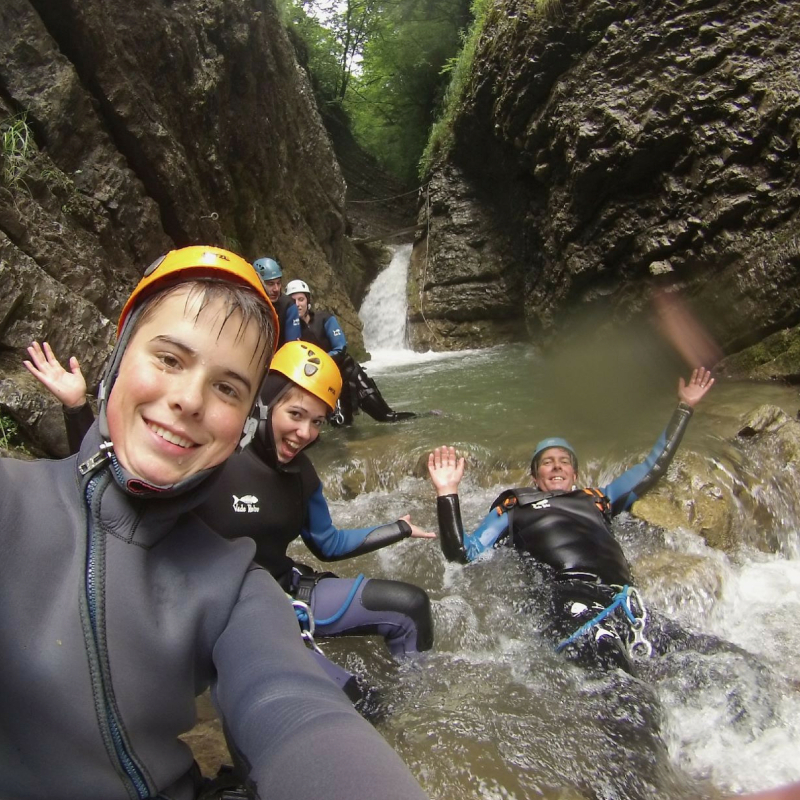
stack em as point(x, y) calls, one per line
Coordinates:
point(275, 503)
point(359, 390)
point(569, 533)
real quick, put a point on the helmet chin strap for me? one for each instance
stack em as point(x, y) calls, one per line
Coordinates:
point(112, 370)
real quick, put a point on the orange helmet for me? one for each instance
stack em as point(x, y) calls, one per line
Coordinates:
point(195, 262)
point(311, 369)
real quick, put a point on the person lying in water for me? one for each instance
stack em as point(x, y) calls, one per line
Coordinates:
point(120, 605)
point(271, 492)
point(597, 615)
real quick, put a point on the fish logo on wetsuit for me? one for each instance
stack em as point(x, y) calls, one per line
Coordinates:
point(245, 505)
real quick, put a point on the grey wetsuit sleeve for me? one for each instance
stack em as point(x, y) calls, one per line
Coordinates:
point(292, 725)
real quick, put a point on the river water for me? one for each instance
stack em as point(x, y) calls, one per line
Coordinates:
point(491, 711)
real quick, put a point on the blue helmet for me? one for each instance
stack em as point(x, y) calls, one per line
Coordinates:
point(546, 444)
point(268, 269)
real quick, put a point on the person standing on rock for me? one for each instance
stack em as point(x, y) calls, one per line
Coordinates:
point(120, 605)
point(271, 274)
point(598, 617)
point(360, 391)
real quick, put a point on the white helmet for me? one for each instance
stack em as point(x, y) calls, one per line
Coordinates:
point(293, 287)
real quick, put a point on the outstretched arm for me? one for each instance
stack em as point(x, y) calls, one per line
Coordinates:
point(446, 469)
point(632, 484)
point(68, 387)
point(329, 543)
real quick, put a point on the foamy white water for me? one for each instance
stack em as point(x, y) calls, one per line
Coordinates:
point(384, 313)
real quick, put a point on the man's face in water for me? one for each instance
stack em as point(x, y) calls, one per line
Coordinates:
point(185, 386)
point(555, 471)
point(273, 289)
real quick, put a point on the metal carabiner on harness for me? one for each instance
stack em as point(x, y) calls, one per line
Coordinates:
point(305, 619)
point(640, 646)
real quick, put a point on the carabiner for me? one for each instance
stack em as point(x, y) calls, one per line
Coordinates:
point(308, 638)
point(640, 646)
point(304, 616)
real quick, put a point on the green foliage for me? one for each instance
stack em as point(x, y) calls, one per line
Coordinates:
point(320, 50)
point(394, 98)
point(9, 434)
point(460, 70)
point(381, 62)
point(487, 15)
point(17, 148)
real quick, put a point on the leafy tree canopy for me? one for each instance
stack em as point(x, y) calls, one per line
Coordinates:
point(385, 63)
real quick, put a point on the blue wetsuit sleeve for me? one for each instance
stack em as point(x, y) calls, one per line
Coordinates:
point(325, 541)
point(494, 526)
point(337, 338)
point(633, 483)
point(291, 324)
point(457, 546)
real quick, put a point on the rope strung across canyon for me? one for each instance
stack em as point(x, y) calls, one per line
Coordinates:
point(394, 196)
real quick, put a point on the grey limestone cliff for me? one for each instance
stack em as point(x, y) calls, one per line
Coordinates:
point(133, 128)
point(606, 151)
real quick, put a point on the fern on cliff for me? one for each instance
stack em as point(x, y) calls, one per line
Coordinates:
point(489, 16)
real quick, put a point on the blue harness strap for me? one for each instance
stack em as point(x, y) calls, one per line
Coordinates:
point(621, 600)
point(307, 621)
point(349, 599)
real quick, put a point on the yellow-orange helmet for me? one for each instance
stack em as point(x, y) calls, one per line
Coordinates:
point(198, 261)
point(311, 368)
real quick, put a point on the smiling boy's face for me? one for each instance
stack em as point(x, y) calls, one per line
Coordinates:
point(185, 386)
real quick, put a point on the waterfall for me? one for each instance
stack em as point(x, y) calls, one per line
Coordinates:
point(385, 307)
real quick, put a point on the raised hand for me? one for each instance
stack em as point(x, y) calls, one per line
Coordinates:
point(693, 392)
point(446, 469)
point(417, 533)
point(68, 387)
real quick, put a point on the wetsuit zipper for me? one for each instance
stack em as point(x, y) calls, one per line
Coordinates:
point(126, 762)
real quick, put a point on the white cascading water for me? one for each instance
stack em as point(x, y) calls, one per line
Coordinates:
point(384, 313)
point(385, 307)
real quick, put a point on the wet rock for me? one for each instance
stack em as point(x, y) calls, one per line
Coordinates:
point(773, 428)
point(597, 143)
point(151, 126)
point(460, 292)
point(695, 499)
point(776, 357)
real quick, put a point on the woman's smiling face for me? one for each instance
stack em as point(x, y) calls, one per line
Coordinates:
point(296, 422)
point(185, 386)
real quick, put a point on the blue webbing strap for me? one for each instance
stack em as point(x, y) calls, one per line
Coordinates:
point(619, 600)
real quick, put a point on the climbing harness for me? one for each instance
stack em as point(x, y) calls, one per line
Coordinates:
point(305, 616)
point(636, 614)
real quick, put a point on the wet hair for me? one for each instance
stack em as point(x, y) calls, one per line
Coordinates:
point(237, 299)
